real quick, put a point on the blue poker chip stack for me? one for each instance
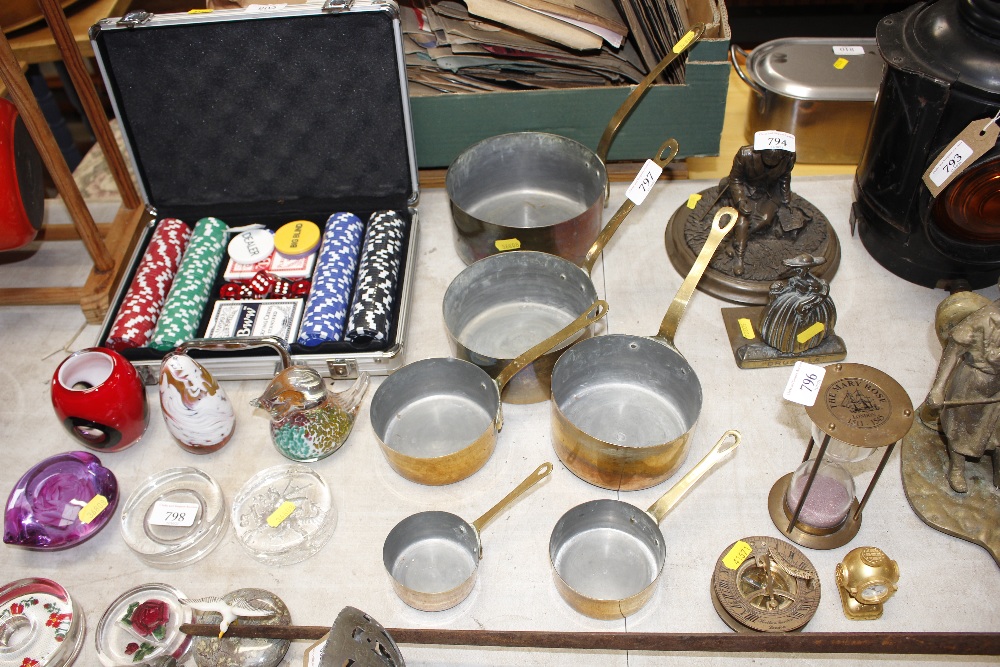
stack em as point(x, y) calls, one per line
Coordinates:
point(371, 314)
point(330, 296)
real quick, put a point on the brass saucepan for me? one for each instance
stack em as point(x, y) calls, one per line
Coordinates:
point(433, 557)
point(607, 555)
point(504, 303)
point(437, 420)
point(535, 190)
point(624, 406)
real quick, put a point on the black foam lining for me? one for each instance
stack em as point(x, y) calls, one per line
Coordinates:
point(289, 114)
point(264, 120)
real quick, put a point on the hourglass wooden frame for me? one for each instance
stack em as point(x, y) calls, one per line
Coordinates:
point(858, 405)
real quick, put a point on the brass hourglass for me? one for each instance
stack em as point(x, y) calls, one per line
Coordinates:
point(858, 409)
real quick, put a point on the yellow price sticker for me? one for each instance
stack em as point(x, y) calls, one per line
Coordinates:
point(684, 42)
point(840, 63)
point(200, 11)
point(284, 510)
point(693, 200)
point(507, 244)
point(739, 553)
point(806, 334)
point(93, 509)
point(746, 328)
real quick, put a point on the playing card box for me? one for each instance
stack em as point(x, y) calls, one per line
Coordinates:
point(260, 117)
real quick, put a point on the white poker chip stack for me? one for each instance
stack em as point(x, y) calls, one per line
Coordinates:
point(371, 315)
point(330, 296)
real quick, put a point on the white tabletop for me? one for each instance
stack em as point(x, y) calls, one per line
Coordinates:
point(946, 584)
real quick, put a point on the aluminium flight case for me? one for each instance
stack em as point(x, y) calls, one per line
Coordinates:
point(267, 114)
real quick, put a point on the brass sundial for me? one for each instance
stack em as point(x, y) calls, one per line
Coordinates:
point(763, 584)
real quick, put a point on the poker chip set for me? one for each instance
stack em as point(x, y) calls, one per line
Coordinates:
point(347, 287)
point(285, 201)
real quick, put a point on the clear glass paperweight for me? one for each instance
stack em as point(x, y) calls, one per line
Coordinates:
point(40, 625)
point(829, 499)
point(176, 517)
point(284, 514)
point(143, 624)
point(60, 502)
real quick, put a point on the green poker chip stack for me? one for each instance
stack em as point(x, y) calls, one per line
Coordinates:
point(184, 306)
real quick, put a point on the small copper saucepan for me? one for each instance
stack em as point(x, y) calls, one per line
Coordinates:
point(607, 555)
point(504, 303)
point(624, 406)
point(433, 557)
point(437, 420)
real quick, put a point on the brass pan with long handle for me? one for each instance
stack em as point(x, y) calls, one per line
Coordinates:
point(623, 406)
point(607, 555)
point(433, 557)
point(535, 190)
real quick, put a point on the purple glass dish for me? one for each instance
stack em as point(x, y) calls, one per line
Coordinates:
point(60, 502)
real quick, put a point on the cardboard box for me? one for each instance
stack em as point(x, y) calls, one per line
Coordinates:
point(444, 125)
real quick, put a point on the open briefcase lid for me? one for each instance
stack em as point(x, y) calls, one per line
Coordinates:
point(264, 110)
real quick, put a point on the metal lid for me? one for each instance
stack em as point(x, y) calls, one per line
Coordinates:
point(828, 68)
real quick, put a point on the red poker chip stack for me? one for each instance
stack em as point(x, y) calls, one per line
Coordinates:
point(141, 306)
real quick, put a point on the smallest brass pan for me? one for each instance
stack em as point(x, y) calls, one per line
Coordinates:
point(432, 558)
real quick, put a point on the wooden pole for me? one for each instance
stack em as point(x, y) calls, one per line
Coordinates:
point(20, 93)
point(897, 643)
point(92, 107)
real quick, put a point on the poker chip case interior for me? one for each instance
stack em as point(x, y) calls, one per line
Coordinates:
point(267, 117)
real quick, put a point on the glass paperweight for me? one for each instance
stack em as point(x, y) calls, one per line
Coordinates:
point(284, 514)
point(176, 517)
point(60, 502)
point(40, 625)
point(144, 624)
point(830, 496)
point(233, 652)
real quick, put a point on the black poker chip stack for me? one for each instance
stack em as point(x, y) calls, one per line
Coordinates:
point(378, 273)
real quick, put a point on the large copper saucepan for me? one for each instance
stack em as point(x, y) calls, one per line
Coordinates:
point(607, 555)
point(437, 420)
point(504, 303)
point(433, 557)
point(538, 191)
point(624, 406)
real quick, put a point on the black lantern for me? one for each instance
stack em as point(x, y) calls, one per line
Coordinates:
point(941, 74)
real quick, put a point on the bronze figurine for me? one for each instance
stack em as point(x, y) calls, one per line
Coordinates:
point(949, 458)
point(796, 325)
point(774, 223)
point(966, 393)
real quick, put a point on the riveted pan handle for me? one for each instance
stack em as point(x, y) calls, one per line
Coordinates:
point(598, 310)
point(625, 110)
point(678, 491)
point(668, 327)
point(540, 473)
point(668, 151)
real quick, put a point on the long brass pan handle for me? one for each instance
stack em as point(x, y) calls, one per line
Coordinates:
point(668, 327)
point(625, 110)
point(716, 455)
point(668, 151)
